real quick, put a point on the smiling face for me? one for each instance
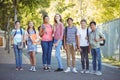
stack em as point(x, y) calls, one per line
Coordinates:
point(93, 26)
point(17, 25)
point(46, 20)
point(31, 24)
point(70, 22)
point(57, 17)
point(83, 24)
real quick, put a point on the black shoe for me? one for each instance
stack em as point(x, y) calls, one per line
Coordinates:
point(45, 68)
point(58, 70)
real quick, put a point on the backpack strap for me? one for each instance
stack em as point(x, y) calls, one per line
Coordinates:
point(66, 32)
point(16, 32)
point(88, 34)
point(21, 31)
point(28, 31)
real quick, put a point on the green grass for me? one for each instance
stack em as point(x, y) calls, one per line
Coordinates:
point(111, 61)
point(108, 60)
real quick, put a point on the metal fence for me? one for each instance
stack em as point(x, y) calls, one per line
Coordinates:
point(111, 30)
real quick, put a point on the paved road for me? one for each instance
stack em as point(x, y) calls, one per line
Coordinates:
point(7, 72)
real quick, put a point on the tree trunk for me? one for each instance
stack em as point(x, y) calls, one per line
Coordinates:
point(5, 35)
point(8, 36)
point(81, 9)
point(9, 42)
point(15, 10)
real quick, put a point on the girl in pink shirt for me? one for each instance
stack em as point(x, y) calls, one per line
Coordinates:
point(46, 33)
point(58, 37)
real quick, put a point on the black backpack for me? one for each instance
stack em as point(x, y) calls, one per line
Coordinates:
point(102, 44)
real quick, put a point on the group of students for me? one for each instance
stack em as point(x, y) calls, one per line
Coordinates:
point(49, 36)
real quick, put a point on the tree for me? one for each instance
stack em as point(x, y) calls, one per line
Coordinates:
point(106, 10)
point(98, 10)
point(6, 12)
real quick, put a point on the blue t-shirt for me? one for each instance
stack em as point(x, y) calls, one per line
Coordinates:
point(71, 35)
point(18, 37)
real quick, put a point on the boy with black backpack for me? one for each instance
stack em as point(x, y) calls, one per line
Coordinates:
point(70, 45)
point(95, 37)
point(17, 35)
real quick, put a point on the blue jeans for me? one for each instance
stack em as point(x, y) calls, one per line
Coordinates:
point(57, 53)
point(96, 58)
point(47, 50)
point(18, 56)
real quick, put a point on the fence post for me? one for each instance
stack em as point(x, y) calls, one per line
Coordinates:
point(119, 39)
point(108, 39)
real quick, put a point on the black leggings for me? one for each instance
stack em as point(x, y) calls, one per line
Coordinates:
point(84, 57)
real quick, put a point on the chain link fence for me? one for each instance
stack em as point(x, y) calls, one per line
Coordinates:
point(111, 30)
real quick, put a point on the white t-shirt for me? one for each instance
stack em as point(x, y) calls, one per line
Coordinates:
point(18, 36)
point(83, 34)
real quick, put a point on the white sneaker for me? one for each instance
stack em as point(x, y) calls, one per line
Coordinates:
point(98, 73)
point(87, 71)
point(74, 70)
point(67, 70)
point(31, 68)
point(93, 72)
point(34, 69)
point(83, 71)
